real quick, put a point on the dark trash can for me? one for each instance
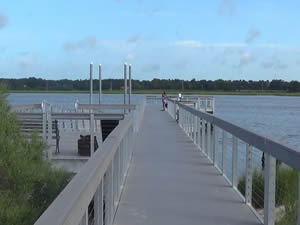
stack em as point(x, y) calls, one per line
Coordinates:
point(84, 145)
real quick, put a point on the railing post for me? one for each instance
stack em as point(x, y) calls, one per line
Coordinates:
point(76, 110)
point(112, 193)
point(234, 161)
point(49, 135)
point(98, 205)
point(224, 151)
point(199, 132)
point(92, 122)
point(269, 192)
point(216, 145)
point(44, 120)
point(195, 129)
point(85, 218)
point(249, 172)
point(209, 140)
point(203, 136)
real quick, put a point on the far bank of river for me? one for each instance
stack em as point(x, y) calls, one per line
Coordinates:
point(198, 92)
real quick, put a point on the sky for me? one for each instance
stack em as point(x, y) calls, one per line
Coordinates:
point(201, 39)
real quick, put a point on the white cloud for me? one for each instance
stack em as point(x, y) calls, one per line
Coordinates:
point(252, 35)
point(274, 63)
point(133, 39)
point(130, 58)
point(3, 20)
point(151, 68)
point(26, 61)
point(246, 59)
point(90, 42)
point(227, 7)
point(188, 44)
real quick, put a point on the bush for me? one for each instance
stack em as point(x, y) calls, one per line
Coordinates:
point(28, 184)
point(286, 192)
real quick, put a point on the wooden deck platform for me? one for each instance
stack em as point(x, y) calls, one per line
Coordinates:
point(171, 183)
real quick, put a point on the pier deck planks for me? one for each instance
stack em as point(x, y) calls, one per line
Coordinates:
point(171, 182)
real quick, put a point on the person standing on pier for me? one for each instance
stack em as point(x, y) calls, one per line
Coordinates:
point(164, 100)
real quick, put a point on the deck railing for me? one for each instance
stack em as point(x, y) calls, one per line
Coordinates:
point(249, 162)
point(203, 103)
point(83, 117)
point(93, 195)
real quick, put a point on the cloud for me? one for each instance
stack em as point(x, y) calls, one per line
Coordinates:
point(181, 64)
point(252, 35)
point(130, 58)
point(3, 20)
point(26, 62)
point(133, 39)
point(87, 43)
point(246, 59)
point(151, 68)
point(227, 8)
point(188, 44)
point(274, 63)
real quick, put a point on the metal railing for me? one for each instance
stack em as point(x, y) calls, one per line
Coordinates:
point(93, 195)
point(203, 103)
point(264, 172)
point(83, 117)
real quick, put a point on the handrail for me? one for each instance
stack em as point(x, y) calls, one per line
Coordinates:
point(204, 129)
point(287, 154)
point(70, 207)
point(25, 107)
point(86, 116)
point(106, 106)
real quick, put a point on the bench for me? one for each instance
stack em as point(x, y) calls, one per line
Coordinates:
point(32, 125)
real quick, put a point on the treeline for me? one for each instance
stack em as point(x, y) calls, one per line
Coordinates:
point(166, 84)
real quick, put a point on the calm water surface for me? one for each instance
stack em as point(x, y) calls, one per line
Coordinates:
point(273, 116)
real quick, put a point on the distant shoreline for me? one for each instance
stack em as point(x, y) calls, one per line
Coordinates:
point(149, 92)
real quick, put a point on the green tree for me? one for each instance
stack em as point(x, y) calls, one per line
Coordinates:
point(28, 183)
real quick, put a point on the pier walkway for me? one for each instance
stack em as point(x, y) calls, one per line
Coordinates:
point(171, 182)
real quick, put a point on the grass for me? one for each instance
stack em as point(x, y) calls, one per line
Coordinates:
point(286, 192)
point(159, 91)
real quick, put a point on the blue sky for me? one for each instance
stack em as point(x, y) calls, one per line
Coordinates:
point(227, 39)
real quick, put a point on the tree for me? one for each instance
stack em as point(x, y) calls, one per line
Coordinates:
point(28, 184)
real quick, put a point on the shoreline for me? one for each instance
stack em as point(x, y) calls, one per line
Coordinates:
point(149, 92)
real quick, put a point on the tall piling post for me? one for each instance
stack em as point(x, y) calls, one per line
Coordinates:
point(100, 83)
point(125, 85)
point(130, 85)
point(91, 112)
point(91, 84)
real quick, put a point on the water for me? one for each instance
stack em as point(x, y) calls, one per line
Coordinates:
point(277, 117)
point(273, 116)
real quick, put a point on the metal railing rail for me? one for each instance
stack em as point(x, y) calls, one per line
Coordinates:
point(106, 106)
point(203, 128)
point(22, 108)
point(203, 103)
point(99, 181)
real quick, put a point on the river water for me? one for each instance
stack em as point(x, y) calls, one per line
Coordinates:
point(273, 116)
